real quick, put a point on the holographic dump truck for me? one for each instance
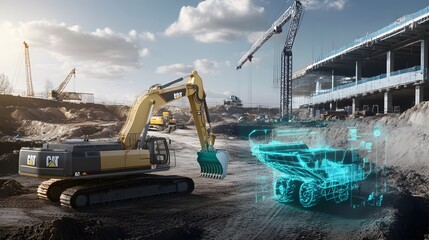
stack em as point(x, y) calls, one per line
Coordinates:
point(311, 174)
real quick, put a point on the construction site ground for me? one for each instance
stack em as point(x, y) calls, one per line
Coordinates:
point(241, 206)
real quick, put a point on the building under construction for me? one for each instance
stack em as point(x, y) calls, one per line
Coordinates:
point(385, 71)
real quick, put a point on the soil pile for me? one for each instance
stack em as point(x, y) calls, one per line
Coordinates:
point(52, 120)
point(10, 187)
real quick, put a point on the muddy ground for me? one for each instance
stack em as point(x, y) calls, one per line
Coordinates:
point(241, 206)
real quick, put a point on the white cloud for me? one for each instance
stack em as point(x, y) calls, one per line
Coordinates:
point(102, 53)
point(147, 36)
point(144, 52)
point(102, 71)
point(205, 65)
point(218, 21)
point(177, 68)
point(132, 34)
point(325, 4)
point(201, 65)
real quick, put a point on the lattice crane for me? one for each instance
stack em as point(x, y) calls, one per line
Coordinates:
point(293, 13)
point(29, 80)
point(57, 94)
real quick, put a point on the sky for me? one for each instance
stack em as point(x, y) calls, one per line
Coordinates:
point(121, 48)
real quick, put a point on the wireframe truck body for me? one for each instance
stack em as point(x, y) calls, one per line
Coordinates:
point(311, 174)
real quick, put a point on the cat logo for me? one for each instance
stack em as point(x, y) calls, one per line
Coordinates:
point(31, 160)
point(52, 161)
point(178, 95)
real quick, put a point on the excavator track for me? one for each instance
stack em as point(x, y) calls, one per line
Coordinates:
point(97, 192)
point(52, 188)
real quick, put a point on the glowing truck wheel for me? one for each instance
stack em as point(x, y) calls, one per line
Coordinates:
point(285, 190)
point(309, 194)
point(342, 194)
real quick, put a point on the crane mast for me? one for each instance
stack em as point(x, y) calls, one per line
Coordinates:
point(294, 12)
point(63, 85)
point(29, 80)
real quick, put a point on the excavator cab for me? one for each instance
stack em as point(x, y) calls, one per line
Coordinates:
point(159, 151)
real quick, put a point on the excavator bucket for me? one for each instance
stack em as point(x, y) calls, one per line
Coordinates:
point(214, 164)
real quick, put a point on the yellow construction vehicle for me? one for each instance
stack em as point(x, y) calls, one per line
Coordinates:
point(164, 122)
point(87, 172)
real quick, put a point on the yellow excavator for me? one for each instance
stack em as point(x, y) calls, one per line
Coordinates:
point(163, 122)
point(83, 173)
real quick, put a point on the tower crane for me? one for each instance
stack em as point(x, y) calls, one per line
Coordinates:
point(57, 94)
point(293, 13)
point(29, 80)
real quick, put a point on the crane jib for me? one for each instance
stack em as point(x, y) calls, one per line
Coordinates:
point(293, 12)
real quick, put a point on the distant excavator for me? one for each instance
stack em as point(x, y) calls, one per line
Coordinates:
point(84, 173)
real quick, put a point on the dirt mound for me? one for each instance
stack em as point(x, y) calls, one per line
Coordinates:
point(10, 187)
point(21, 114)
point(417, 115)
point(67, 228)
point(97, 114)
point(408, 182)
point(45, 118)
point(46, 131)
point(48, 114)
point(120, 112)
point(53, 114)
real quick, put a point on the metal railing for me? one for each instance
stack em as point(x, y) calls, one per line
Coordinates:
point(367, 86)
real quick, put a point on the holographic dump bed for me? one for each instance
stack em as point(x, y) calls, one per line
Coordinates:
point(311, 173)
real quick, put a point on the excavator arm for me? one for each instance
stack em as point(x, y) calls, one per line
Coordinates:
point(133, 134)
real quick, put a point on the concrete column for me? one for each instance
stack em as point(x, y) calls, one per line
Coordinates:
point(333, 80)
point(424, 58)
point(419, 94)
point(358, 71)
point(390, 63)
point(387, 102)
point(355, 105)
point(317, 86)
point(317, 113)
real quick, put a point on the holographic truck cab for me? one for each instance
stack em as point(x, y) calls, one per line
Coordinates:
point(312, 173)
